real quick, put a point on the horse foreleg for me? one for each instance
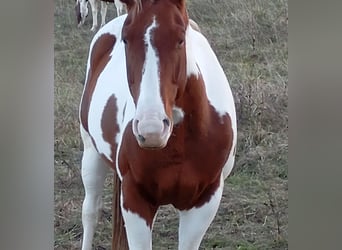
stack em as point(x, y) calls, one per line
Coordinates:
point(194, 223)
point(103, 12)
point(138, 215)
point(94, 7)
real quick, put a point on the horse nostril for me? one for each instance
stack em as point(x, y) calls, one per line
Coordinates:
point(141, 138)
point(166, 122)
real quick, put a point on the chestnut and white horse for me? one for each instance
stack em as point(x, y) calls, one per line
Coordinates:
point(81, 9)
point(158, 110)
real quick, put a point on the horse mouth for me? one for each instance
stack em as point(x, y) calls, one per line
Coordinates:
point(151, 143)
point(152, 132)
point(153, 148)
point(147, 138)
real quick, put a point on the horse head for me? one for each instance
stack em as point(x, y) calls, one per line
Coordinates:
point(154, 37)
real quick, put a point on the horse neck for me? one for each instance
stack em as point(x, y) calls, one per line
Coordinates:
point(195, 105)
point(194, 101)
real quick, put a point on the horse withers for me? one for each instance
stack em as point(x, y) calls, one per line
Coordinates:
point(158, 110)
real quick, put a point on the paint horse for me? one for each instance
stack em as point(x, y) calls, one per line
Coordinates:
point(157, 109)
point(81, 10)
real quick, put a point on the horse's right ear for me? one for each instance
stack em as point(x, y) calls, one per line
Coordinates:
point(129, 3)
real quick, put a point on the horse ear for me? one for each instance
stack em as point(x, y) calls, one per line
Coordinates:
point(129, 3)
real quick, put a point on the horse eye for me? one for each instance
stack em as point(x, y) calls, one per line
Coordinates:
point(124, 41)
point(180, 43)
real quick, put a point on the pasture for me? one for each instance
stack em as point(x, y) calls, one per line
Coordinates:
point(250, 40)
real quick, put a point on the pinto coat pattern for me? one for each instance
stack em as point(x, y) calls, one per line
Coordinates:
point(158, 110)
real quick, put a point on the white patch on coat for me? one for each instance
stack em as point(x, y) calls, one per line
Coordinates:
point(150, 97)
point(194, 222)
point(177, 115)
point(139, 234)
point(111, 81)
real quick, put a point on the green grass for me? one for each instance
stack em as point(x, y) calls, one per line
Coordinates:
point(250, 40)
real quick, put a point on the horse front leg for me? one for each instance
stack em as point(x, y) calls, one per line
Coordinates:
point(94, 8)
point(104, 6)
point(138, 215)
point(193, 223)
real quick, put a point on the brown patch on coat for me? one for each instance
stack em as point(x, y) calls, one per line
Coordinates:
point(110, 127)
point(100, 56)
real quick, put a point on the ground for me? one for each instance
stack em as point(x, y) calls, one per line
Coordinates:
point(250, 40)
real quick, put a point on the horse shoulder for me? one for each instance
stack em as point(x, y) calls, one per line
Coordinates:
point(217, 89)
point(215, 80)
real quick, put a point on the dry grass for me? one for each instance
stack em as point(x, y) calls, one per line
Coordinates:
point(250, 39)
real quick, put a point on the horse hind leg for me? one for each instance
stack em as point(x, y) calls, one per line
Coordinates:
point(194, 223)
point(94, 172)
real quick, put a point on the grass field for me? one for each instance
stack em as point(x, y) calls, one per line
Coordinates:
point(250, 40)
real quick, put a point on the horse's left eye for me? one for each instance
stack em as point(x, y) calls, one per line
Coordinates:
point(124, 41)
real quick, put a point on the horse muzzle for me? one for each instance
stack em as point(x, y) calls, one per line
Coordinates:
point(151, 132)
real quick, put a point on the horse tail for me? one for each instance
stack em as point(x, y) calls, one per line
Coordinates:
point(119, 240)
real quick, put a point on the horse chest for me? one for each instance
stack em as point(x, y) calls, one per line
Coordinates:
point(182, 185)
point(182, 175)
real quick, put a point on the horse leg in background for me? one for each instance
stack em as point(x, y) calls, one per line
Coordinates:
point(94, 171)
point(119, 7)
point(103, 12)
point(94, 8)
point(193, 223)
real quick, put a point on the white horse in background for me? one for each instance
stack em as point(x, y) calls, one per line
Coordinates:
point(81, 9)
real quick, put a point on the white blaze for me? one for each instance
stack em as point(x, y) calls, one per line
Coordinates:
point(149, 97)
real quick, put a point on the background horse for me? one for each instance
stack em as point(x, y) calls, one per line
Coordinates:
point(156, 108)
point(81, 9)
